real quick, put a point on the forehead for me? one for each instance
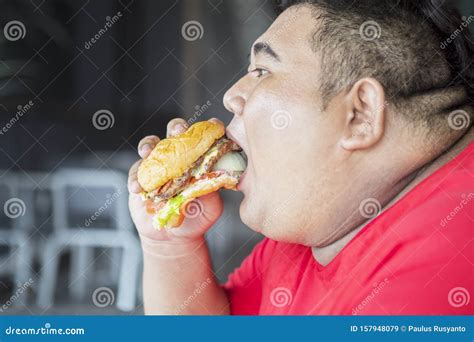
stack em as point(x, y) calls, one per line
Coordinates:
point(291, 33)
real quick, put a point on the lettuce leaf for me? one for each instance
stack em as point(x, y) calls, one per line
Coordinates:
point(170, 209)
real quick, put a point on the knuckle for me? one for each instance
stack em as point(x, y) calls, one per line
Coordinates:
point(134, 168)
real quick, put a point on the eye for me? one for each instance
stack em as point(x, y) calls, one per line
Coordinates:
point(259, 72)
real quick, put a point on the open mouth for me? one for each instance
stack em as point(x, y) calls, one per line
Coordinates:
point(244, 155)
point(241, 150)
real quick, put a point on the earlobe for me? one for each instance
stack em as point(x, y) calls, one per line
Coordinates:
point(365, 115)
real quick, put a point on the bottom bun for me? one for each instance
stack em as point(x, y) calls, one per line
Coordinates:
point(175, 210)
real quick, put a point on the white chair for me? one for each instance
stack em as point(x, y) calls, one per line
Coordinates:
point(120, 160)
point(15, 224)
point(91, 232)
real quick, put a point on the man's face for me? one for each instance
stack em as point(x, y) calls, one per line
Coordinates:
point(292, 147)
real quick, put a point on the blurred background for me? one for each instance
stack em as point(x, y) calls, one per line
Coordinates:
point(81, 82)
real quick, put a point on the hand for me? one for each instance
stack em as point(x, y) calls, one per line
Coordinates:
point(192, 228)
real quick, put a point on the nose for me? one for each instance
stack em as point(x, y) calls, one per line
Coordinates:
point(235, 99)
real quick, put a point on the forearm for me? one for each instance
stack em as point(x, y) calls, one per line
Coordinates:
point(178, 279)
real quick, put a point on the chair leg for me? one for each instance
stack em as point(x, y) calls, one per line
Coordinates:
point(48, 274)
point(128, 281)
point(24, 268)
point(81, 259)
point(114, 266)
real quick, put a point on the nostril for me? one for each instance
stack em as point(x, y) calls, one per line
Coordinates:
point(236, 105)
point(234, 101)
point(227, 101)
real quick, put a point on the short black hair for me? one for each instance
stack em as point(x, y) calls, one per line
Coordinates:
point(421, 51)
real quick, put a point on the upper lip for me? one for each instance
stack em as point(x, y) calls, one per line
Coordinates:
point(231, 137)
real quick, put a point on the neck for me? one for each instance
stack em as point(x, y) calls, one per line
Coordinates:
point(324, 255)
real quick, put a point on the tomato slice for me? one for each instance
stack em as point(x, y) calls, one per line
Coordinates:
point(152, 207)
point(212, 174)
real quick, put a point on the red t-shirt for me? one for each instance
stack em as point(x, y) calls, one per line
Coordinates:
point(415, 258)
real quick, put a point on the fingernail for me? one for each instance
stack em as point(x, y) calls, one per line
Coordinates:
point(145, 148)
point(179, 127)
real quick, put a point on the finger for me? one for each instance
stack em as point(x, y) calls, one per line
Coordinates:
point(147, 144)
point(176, 126)
point(133, 185)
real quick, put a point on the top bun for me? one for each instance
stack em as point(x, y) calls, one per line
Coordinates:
point(171, 157)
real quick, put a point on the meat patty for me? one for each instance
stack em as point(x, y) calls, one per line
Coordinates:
point(211, 157)
point(197, 169)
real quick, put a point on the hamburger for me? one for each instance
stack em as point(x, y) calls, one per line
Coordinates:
point(181, 168)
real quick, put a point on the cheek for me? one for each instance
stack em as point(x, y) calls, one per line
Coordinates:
point(283, 143)
point(278, 178)
point(288, 142)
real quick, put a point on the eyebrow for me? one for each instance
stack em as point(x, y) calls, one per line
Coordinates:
point(265, 48)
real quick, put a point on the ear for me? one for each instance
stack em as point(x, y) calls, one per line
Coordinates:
point(365, 115)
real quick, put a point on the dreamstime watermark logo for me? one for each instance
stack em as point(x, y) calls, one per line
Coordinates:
point(281, 119)
point(103, 296)
point(370, 208)
point(14, 208)
point(458, 296)
point(110, 21)
point(14, 30)
point(363, 129)
point(464, 24)
point(370, 30)
point(193, 209)
point(199, 110)
point(281, 29)
point(459, 119)
point(280, 297)
point(192, 30)
point(47, 329)
point(21, 110)
point(376, 289)
point(465, 199)
point(108, 202)
point(366, 126)
point(103, 119)
point(19, 291)
point(200, 287)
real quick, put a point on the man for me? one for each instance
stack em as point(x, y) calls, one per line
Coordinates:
point(357, 128)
